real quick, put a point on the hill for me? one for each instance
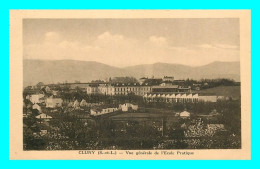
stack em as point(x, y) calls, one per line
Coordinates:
point(230, 91)
point(66, 70)
point(213, 70)
point(45, 71)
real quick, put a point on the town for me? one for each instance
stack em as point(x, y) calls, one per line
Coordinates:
point(126, 113)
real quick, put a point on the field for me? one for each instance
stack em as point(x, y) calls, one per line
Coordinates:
point(144, 117)
point(229, 91)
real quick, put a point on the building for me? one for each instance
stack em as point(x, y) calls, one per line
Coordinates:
point(102, 111)
point(207, 98)
point(44, 117)
point(169, 88)
point(165, 89)
point(78, 85)
point(168, 78)
point(37, 107)
point(131, 88)
point(172, 98)
point(219, 127)
point(37, 98)
point(128, 106)
point(76, 104)
point(53, 102)
point(92, 89)
point(179, 97)
point(143, 79)
point(83, 103)
point(184, 114)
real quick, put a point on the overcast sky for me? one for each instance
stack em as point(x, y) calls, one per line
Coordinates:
point(127, 42)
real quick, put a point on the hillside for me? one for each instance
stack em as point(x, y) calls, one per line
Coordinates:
point(213, 70)
point(232, 91)
point(84, 71)
point(68, 70)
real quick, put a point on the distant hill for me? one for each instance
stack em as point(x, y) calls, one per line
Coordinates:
point(45, 71)
point(213, 70)
point(66, 70)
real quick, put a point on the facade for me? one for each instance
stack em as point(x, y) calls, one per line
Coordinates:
point(43, 116)
point(52, 102)
point(127, 106)
point(143, 79)
point(168, 78)
point(37, 98)
point(76, 104)
point(134, 88)
point(92, 89)
point(37, 107)
point(184, 114)
point(172, 98)
point(83, 103)
point(209, 98)
point(98, 112)
point(168, 88)
point(78, 85)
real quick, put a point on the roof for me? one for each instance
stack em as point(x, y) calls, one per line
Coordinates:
point(165, 87)
point(220, 126)
point(43, 116)
point(125, 84)
point(143, 78)
point(185, 113)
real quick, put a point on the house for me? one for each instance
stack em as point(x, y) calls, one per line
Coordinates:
point(37, 98)
point(127, 106)
point(216, 127)
point(178, 97)
point(37, 107)
point(83, 103)
point(43, 129)
point(168, 78)
point(47, 89)
point(143, 79)
point(44, 117)
point(70, 104)
point(76, 104)
point(195, 97)
point(53, 102)
point(101, 111)
point(26, 113)
point(55, 92)
point(184, 114)
point(214, 113)
point(27, 97)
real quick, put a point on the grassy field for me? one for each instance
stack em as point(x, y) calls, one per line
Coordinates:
point(144, 116)
point(230, 91)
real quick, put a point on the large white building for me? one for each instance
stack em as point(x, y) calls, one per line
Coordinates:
point(171, 98)
point(180, 98)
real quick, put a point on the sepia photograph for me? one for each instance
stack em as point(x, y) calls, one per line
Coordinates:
point(122, 85)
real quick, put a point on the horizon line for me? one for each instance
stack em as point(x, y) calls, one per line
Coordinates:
point(132, 65)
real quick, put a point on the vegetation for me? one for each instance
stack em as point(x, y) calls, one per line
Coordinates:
point(159, 128)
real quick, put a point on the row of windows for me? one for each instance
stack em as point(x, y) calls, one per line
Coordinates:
point(132, 89)
point(121, 89)
point(178, 99)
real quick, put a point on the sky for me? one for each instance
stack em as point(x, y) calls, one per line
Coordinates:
point(129, 42)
